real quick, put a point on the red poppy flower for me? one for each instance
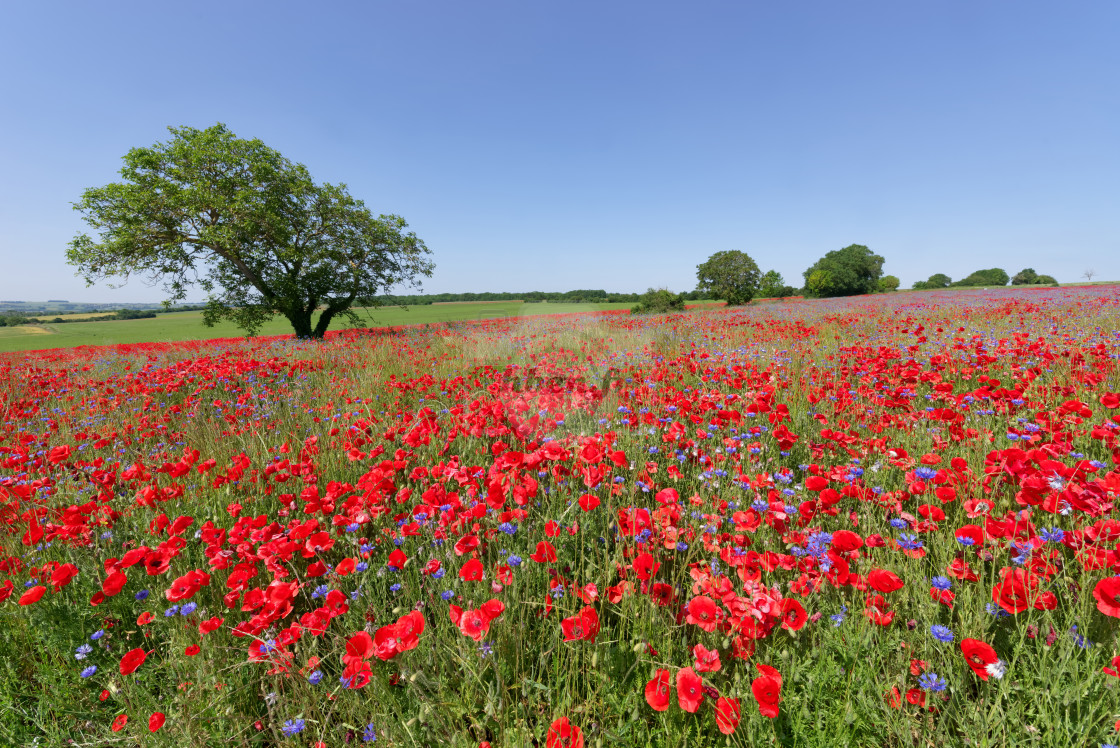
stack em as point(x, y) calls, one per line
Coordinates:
point(1113, 671)
point(793, 614)
point(767, 690)
point(1014, 590)
point(657, 691)
point(588, 501)
point(846, 540)
point(979, 656)
point(546, 553)
point(120, 722)
point(397, 559)
point(884, 581)
point(916, 696)
point(661, 593)
point(1107, 594)
point(645, 567)
point(345, 566)
point(61, 576)
point(32, 595)
point(156, 721)
point(471, 571)
point(357, 674)
point(409, 628)
point(563, 734)
point(707, 660)
point(474, 624)
point(690, 689)
point(728, 714)
point(210, 625)
point(132, 659)
point(703, 612)
point(192, 650)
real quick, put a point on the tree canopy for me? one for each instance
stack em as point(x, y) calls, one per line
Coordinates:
point(658, 301)
point(989, 277)
point(850, 271)
point(730, 275)
point(1028, 277)
point(937, 280)
point(249, 227)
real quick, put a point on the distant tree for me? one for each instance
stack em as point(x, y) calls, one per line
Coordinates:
point(1088, 275)
point(659, 301)
point(248, 226)
point(939, 280)
point(730, 275)
point(1025, 277)
point(1047, 280)
point(770, 285)
point(990, 277)
point(889, 283)
point(853, 270)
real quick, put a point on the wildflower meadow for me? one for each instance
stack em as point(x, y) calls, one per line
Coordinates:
point(878, 521)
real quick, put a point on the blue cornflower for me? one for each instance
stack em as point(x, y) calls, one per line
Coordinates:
point(447, 594)
point(89, 671)
point(315, 677)
point(172, 611)
point(941, 583)
point(395, 588)
point(941, 633)
point(965, 540)
point(438, 573)
point(97, 634)
point(1053, 535)
point(514, 560)
point(925, 473)
point(508, 528)
point(361, 566)
point(293, 727)
point(187, 609)
point(682, 546)
point(899, 524)
point(931, 682)
point(142, 595)
point(82, 651)
point(759, 505)
point(909, 541)
point(370, 734)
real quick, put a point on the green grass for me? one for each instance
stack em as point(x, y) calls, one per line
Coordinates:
point(175, 326)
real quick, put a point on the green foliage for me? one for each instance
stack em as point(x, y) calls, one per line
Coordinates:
point(990, 277)
point(773, 286)
point(889, 283)
point(937, 280)
point(659, 301)
point(849, 271)
point(248, 226)
point(731, 275)
point(1028, 277)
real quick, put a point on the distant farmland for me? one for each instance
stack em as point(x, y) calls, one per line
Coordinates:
point(176, 326)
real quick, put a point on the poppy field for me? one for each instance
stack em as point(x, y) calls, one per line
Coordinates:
point(886, 520)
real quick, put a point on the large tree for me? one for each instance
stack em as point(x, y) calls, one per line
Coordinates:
point(853, 270)
point(730, 275)
point(249, 227)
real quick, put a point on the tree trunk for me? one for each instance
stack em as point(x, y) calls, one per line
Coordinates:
point(324, 322)
point(301, 323)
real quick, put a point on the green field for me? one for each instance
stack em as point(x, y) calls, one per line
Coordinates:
point(174, 326)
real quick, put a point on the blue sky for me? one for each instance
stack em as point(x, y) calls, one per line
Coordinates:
point(552, 146)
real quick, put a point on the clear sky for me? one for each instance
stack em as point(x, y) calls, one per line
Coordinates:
point(556, 145)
